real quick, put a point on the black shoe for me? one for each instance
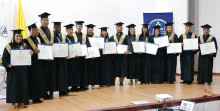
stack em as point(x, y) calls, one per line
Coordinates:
point(83, 88)
point(74, 89)
point(189, 83)
point(209, 83)
point(63, 93)
point(47, 96)
point(170, 82)
point(121, 83)
point(200, 83)
point(37, 101)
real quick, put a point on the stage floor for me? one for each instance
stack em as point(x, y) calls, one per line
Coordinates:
point(119, 96)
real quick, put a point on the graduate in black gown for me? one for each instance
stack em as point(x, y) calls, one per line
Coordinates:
point(145, 59)
point(120, 60)
point(158, 60)
point(83, 39)
point(134, 65)
point(72, 63)
point(171, 58)
point(187, 57)
point(106, 76)
point(17, 76)
point(47, 67)
point(92, 63)
point(206, 61)
point(61, 63)
point(35, 85)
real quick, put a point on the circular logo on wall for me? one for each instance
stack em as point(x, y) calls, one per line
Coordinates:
point(159, 22)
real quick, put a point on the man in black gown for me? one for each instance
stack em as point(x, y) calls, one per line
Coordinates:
point(206, 61)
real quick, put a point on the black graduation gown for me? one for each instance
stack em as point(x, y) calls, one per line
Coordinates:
point(17, 80)
point(171, 63)
point(187, 62)
point(36, 84)
point(82, 63)
point(206, 64)
point(61, 67)
point(93, 70)
point(47, 68)
point(73, 67)
point(106, 74)
point(134, 65)
point(146, 61)
point(158, 65)
point(120, 66)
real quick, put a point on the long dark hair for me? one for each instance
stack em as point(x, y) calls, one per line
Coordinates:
point(155, 30)
point(103, 36)
point(129, 32)
point(13, 43)
point(142, 34)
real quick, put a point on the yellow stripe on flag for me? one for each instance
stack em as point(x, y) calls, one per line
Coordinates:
point(21, 21)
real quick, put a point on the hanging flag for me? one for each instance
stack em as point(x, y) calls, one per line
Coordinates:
point(21, 21)
point(158, 19)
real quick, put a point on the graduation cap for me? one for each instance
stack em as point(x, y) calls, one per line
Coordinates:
point(131, 26)
point(157, 27)
point(103, 28)
point(119, 24)
point(29, 27)
point(17, 31)
point(145, 25)
point(188, 24)
point(32, 26)
point(79, 22)
point(44, 15)
point(57, 23)
point(169, 24)
point(206, 26)
point(90, 26)
point(69, 26)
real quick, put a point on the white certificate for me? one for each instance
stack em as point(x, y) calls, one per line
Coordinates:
point(97, 41)
point(121, 49)
point(174, 48)
point(60, 50)
point(93, 52)
point(84, 51)
point(151, 48)
point(207, 48)
point(46, 52)
point(110, 48)
point(20, 57)
point(162, 41)
point(190, 44)
point(74, 50)
point(138, 46)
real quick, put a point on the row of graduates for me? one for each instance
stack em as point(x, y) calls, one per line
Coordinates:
point(46, 76)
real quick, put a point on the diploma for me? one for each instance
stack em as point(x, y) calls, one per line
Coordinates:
point(84, 51)
point(60, 50)
point(110, 48)
point(93, 52)
point(121, 49)
point(97, 41)
point(74, 50)
point(174, 48)
point(46, 52)
point(190, 44)
point(138, 46)
point(207, 48)
point(151, 48)
point(20, 57)
point(162, 41)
